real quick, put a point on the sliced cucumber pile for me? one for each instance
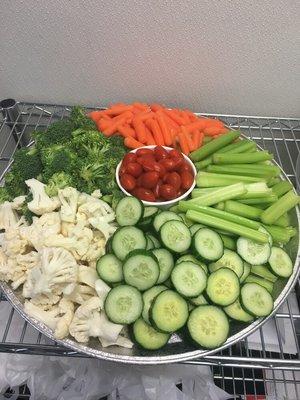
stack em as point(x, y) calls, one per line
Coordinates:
point(229, 260)
point(223, 287)
point(189, 279)
point(208, 245)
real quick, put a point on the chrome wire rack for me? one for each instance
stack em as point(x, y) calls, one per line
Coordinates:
point(243, 369)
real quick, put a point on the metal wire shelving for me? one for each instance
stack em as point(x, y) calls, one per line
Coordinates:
point(240, 370)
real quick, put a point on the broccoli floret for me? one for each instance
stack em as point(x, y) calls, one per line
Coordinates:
point(57, 133)
point(57, 158)
point(58, 181)
point(27, 214)
point(80, 120)
point(4, 195)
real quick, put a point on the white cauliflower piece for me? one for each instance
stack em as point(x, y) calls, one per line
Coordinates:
point(66, 228)
point(87, 321)
point(41, 202)
point(87, 275)
point(103, 224)
point(80, 294)
point(13, 243)
point(18, 202)
point(58, 318)
point(97, 194)
point(102, 290)
point(50, 223)
point(20, 267)
point(68, 198)
point(4, 268)
point(109, 331)
point(96, 248)
point(57, 269)
point(46, 301)
point(8, 216)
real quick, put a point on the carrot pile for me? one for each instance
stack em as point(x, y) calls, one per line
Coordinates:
point(142, 124)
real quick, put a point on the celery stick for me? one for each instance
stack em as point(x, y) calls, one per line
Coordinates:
point(279, 234)
point(271, 198)
point(281, 206)
point(200, 192)
point(207, 179)
point(228, 226)
point(228, 242)
point(243, 210)
point(282, 188)
point(207, 139)
point(291, 230)
point(220, 206)
point(214, 145)
point(255, 190)
point(185, 206)
point(225, 193)
point(283, 221)
point(273, 181)
point(244, 158)
point(244, 170)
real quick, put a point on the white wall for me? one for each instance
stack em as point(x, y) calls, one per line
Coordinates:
point(224, 56)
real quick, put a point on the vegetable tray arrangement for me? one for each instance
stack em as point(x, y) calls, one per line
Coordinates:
point(99, 267)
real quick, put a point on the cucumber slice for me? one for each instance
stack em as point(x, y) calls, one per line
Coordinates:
point(223, 287)
point(256, 300)
point(175, 236)
point(186, 220)
point(230, 260)
point(129, 211)
point(150, 244)
point(140, 269)
point(263, 230)
point(199, 300)
point(260, 281)
point(165, 263)
point(208, 326)
point(247, 270)
point(190, 257)
point(123, 304)
point(252, 252)
point(169, 311)
point(280, 262)
point(163, 217)
point(148, 297)
point(189, 279)
point(126, 239)
point(148, 337)
point(263, 272)
point(109, 268)
point(195, 228)
point(154, 240)
point(108, 248)
point(208, 244)
point(235, 311)
point(150, 212)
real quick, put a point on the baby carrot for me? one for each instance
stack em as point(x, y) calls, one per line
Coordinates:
point(173, 114)
point(169, 121)
point(94, 115)
point(113, 127)
point(117, 109)
point(139, 128)
point(131, 143)
point(156, 107)
point(183, 143)
point(197, 138)
point(126, 131)
point(188, 138)
point(191, 115)
point(145, 115)
point(201, 123)
point(224, 130)
point(164, 128)
point(150, 139)
point(124, 115)
point(102, 124)
point(211, 130)
point(185, 117)
point(141, 106)
point(156, 132)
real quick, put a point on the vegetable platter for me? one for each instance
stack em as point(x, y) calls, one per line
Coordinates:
point(172, 271)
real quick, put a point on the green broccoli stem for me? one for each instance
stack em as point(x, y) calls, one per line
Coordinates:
point(214, 145)
point(280, 207)
point(282, 188)
point(228, 242)
point(244, 158)
point(207, 179)
point(244, 170)
point(186, 206)
point(279, 234)
point(222, 194)
point(234, 148)
point(225, 225)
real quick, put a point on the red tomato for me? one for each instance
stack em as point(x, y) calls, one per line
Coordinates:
point(167, 192)
point(149, 157)
point(143, 152)
point(185, 167)
point(128, 182)
point(178, 163)
point(168, 163)
point(129, 158)
point(161, 170)
point(139, 181)
point(150, 179)
point(144, 194)
point(187, 180)
point(134, 169)
point(122, 169)
point(174, 179)
point(160, 153)
point(175, 154)
point(149, 165)
point(157, 188)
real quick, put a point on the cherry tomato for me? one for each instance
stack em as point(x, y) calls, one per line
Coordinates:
point(180, 193)
point(150, 179)
point(157, 188)
point(161, 170)
point(168, 163)
point(177, 163)
point(122, 169)
point(129, 158)
point(174, 179)
point(149, 165)
point(128, 182)
point(185, 167)
point(167, 192)
point(160, 153)
point(143, 152)
point(187, 180)
point(175, 154)
point(144, 194)
point(134, 169)
point(139, 182)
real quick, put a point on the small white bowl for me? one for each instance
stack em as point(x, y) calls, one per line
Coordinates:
point(160, 203)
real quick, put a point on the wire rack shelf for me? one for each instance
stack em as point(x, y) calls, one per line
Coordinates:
point(240, 369)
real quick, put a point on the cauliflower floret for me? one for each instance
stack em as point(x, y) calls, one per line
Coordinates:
point(80, 294)
point(58, 318)
point(97, 194)
point(68, 198)
point(20, 267)
point(50, 223)
point(13, 243)
point(109, 331)
point(96, 248)
point(46, 301)
point(8, 216)
point(57, 269)
point(41, 202)
point(18, 202)
point(103, 224)
point(4, 269)
point(66, 228)
point(87, 275)
point(102, 290)
point(87, 321)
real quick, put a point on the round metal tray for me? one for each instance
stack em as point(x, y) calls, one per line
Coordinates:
point(178, 349)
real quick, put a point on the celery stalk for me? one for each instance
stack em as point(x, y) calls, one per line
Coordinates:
point(281, 206)
point(228, 226)
point(244, 158)
point(283, 221)
point(244, 170)
point(273, 181)
point(243, 210)
point(279, 234)
point(220, 206)
point(207, 179)
point(185, 206)
point(271, 198)
point(228, 242)
point(282, 188)
point(222, 194)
